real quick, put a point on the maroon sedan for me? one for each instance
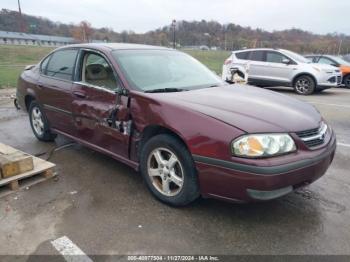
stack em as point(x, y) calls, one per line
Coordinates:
point(190, 134)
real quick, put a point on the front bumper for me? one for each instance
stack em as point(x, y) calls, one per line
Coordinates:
point(245, 183)
point(330, 80)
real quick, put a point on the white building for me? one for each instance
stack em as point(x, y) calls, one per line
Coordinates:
point(16, 38)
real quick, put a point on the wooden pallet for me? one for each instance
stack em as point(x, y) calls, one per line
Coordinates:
point(14, 162)
point(42, 171)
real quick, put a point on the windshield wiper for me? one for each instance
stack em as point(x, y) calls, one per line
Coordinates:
point(165, 90)
point(215, 85)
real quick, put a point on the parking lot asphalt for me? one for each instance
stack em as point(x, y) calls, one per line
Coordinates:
point(103, 206)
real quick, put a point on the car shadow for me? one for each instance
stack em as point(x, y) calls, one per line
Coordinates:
point(111, 192)
point(119, 173)
point(288, 90)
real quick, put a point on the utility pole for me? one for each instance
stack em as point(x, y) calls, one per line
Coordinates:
point(254, 43)
point(84, 33)
point(173, 25)
point(340, 45)
point(207, 35)
point(225, 42)
point(21, 24)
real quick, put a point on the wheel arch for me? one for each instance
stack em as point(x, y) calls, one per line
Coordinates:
point(153, 130)
point(304, 74)
point(28, 99)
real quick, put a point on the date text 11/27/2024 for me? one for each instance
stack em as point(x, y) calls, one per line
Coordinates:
point(173, 258)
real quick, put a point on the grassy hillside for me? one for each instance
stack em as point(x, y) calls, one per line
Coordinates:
point(212, 59)
point(13, 59)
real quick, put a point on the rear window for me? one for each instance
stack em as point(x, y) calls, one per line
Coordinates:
point(61, 64)
point(275, 57)
point(242, 55)
point(257, 56)
point(324, 60)
point(44, 63)
point(311, 59)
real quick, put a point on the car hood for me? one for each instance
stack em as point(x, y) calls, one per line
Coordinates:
point(323, 66)
point(248, 108)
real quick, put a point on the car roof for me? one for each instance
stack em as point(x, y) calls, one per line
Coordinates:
point(315, 55)
point(118, 46)
point(257, 49)
point(320, 55)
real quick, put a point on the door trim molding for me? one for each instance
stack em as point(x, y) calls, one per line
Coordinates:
point(129, 162)
point(56, 109)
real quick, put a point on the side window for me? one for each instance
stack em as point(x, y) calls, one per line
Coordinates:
point(242, 55)
point(275, 57)
point(257, 56)
point(311, 59)
point(97, 71)
point(43, 65)
point(61, 64)
point(324, 60)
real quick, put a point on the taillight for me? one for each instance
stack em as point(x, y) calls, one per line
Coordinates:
point(228, 61)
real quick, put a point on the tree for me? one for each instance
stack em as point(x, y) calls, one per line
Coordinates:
point(83, 32)
point(189, 33)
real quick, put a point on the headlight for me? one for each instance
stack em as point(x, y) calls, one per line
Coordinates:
point(263, 145)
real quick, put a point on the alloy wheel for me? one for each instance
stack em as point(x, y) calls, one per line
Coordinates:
point(38, 122)
point(165, 171)
point(302, 85)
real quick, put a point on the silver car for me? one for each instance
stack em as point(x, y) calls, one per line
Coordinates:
point(279, 67)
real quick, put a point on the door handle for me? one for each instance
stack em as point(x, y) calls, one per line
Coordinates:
point(79, 94)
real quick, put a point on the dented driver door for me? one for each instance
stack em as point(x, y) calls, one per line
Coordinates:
point(101, 118)
point(100, 115)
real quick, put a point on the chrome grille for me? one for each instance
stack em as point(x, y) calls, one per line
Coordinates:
point(313, 137)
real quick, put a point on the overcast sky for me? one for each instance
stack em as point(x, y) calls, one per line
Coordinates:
point(319, 16)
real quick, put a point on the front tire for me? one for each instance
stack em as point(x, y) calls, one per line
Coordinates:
point(39, 123)
point(304, 85)
point(347, 81)
point(168, 170)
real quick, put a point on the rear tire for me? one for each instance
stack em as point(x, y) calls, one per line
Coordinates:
point(39, 123)
point(168, 170)
point(304, 85)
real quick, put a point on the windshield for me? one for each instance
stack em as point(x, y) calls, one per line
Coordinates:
point(149, 70)
point(340, 60)
point(296, 57)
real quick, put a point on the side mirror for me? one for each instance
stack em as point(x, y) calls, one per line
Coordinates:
point(286, 61)
point(122, 91)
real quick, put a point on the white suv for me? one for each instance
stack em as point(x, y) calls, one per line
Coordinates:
point(278, 67)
